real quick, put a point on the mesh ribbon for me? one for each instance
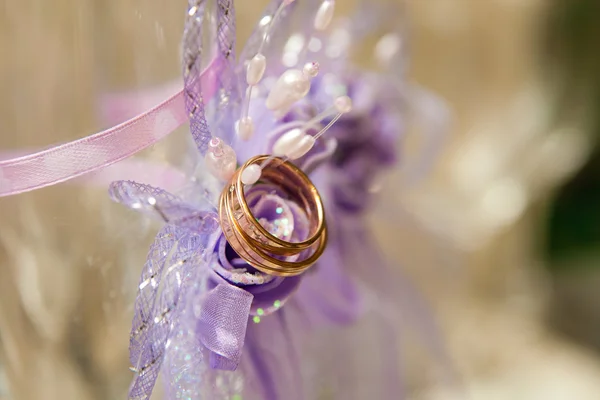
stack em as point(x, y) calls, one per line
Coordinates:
point(193, 54)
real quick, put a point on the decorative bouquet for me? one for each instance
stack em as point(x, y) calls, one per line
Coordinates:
point(264, 282)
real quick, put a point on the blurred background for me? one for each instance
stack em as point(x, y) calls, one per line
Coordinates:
point(503, 235)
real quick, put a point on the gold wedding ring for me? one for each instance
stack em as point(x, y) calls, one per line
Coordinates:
point(252, 242)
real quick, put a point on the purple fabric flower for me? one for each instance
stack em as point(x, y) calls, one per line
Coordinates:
point(216, 327)
point(282, 218)
point(367, 141)
point(355, 150)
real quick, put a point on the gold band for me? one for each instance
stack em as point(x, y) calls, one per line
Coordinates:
point(258, 247)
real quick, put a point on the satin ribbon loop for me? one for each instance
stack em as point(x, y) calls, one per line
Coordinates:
point(222, 321)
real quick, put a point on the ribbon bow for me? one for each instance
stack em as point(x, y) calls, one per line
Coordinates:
point(223, 315)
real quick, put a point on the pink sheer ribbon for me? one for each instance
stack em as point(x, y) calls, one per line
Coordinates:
point(97, 151)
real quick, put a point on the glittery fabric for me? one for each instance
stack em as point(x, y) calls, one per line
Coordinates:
point(182, 305)
point(165, 206)
point(189, 371)
point(185, 365)
point(174, 254)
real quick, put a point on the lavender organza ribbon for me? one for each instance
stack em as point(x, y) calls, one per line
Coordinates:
point(222, 322)
point(95, 152)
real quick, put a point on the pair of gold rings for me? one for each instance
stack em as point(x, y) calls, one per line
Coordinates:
point(252, 242)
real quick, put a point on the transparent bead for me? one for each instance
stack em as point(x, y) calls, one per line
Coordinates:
point(220, 159)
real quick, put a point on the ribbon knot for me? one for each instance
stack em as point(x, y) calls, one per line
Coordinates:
point(222, 321)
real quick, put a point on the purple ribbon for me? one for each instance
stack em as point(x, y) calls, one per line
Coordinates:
point(92, 153)
point(222, 321)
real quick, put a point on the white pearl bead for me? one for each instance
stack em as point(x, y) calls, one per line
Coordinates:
point(324, 15)
point(343, 104)
point(306, 143)
point(245, 128)
point(251, 174)
point(291, 86)
point(387, 47)
point(220, 159)
point(288, 142)
point(311, 69)
point(256, 69)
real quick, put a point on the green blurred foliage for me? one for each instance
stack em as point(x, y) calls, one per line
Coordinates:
point(572, 59)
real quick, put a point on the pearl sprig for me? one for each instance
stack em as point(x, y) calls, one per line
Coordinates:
point(220, 159)
point(295, 143)
point(255, 71)
point(321, 22)
point(292, 86)
point(324, 15)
